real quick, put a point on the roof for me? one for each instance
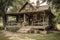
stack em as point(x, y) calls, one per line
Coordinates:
point(25, 5)
point(34, 9)
point(41, 8)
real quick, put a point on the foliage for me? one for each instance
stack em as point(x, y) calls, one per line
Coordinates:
point(1, 28)
point(54, 3)
point(15, 4)
point(5, 4)
point(58, 17)
point(55, 6)
point(24, 23)
point(13, 29)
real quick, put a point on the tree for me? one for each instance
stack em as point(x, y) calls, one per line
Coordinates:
point(55, 6)
point(17, 5)
point(54, 3)
point(5, 4)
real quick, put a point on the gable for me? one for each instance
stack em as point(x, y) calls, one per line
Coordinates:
point(26, 7)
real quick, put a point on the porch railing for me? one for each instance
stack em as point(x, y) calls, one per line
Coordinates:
point(41, 23)
point(34, 24)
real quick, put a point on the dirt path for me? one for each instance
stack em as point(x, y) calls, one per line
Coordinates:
point(15, 36)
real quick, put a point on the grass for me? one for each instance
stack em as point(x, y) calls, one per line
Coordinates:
point(51, 36)
point(2, 37)
point(13, 29)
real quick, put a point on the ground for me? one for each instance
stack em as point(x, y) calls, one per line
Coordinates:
point(3, 37)
point(18, 36)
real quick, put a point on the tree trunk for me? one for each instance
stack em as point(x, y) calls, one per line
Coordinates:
point(4, 21)
point(4, 17)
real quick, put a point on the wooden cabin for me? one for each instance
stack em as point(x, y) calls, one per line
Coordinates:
point(33, 17)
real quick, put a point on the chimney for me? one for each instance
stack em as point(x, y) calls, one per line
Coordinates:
point(38, 3)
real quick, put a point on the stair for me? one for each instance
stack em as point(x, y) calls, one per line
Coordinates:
point(24, 29)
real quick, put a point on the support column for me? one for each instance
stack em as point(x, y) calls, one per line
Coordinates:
point(44, 19)
point(24, 21)
point(48, 20)
point(24, 18)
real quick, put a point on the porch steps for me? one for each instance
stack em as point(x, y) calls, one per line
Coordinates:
point(24, 29)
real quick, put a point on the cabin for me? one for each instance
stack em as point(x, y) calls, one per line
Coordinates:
point(29, 17)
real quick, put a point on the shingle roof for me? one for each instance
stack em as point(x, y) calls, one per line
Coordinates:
point(35, 8)
point(41, 8)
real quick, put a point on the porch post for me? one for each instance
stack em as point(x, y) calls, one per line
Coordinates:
point(44, 19)
point(24, 21)
point(48, 20)
point(24, 17)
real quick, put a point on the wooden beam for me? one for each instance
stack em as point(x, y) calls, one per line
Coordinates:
point(48, 20)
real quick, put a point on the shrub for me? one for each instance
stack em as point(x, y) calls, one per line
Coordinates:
point(1, 28)
point(13, 29)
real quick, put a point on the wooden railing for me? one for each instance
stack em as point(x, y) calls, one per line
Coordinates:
point(13, 24)
point(41, 23)
point(36, 25)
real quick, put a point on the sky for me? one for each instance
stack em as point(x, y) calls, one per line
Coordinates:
point(35, 2)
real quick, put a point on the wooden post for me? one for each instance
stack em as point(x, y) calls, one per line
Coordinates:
point(35, 31)
point(24, 21)
point(43, 19)
point(24, 17)
point(32, 20)
point(48, 20)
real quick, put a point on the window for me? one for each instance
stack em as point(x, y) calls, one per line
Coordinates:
point(11, 18)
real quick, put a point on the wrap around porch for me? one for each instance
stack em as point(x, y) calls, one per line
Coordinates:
point(34, 20)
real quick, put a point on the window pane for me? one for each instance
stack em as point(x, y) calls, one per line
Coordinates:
point(11, 18)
